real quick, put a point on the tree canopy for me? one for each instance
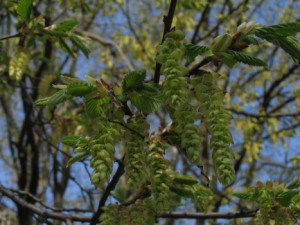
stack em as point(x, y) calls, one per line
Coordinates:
point(149, 112)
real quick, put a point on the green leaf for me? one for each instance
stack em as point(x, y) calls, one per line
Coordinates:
point(79, 88)
point(66, 25)
point(53, 33)
point(71, 140)
point(285, 197)
point(56, 98)
point(182, 191)
point(294, 184)
point(24, 9)
point(65, 47)
point(229, 60)
point(250, 40)
point(243, 195)
point(133, 80)
point(245, 58)
point(94, 106)
point(192, 5)
point(81, 44)
point(296, 199)
point(192, 51)
point(148, 99)
point(277, 31)
point(145, 103)
point(42, 101)
point(185, 179)
point(77, 158)
point(291, 46)
point(120, 195)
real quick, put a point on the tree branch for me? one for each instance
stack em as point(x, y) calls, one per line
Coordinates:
point(10, 37)
point(274, 85)
point(128, 128)
point(46, 214)
point(94, 220)
point(212, 215)
point(264, 115)
point(168, 23)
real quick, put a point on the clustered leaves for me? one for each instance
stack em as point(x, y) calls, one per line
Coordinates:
point(278, 203)
point(157, 186)
point(145, 96)
point(281, 35)
point(229, 47)
point(35, 28)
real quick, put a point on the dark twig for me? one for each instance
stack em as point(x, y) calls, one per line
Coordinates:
point(10, 37)
point(266, 115)
point(72, 217)
point(128, 128)
point(196, 67)
point(212, 215)
point(202, 19)
point(55, 209)
point(268, 94)
point(168, 23)
point(41, 212)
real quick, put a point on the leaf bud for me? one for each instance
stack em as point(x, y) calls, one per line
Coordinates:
point(221, 43)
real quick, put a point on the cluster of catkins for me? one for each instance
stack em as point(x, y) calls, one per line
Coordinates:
point(217, 120)
point(176, 93)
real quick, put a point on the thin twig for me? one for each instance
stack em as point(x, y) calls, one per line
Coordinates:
point(168, 23)
point(212, 215)
point(264, 115)
point(41, 212)
point(10, 37)
point(107, 42)
point(36, 199)
point(79, 218)
point(128, 128)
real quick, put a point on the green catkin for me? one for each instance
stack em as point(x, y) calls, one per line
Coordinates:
point(135, 155)
point(175, 91)
point(18, 64)
point(140, 212)
point(217, 120)
point(103, 153)
point(161, 171)
point(189, 132)
point(203, 197)
point(110, 215)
